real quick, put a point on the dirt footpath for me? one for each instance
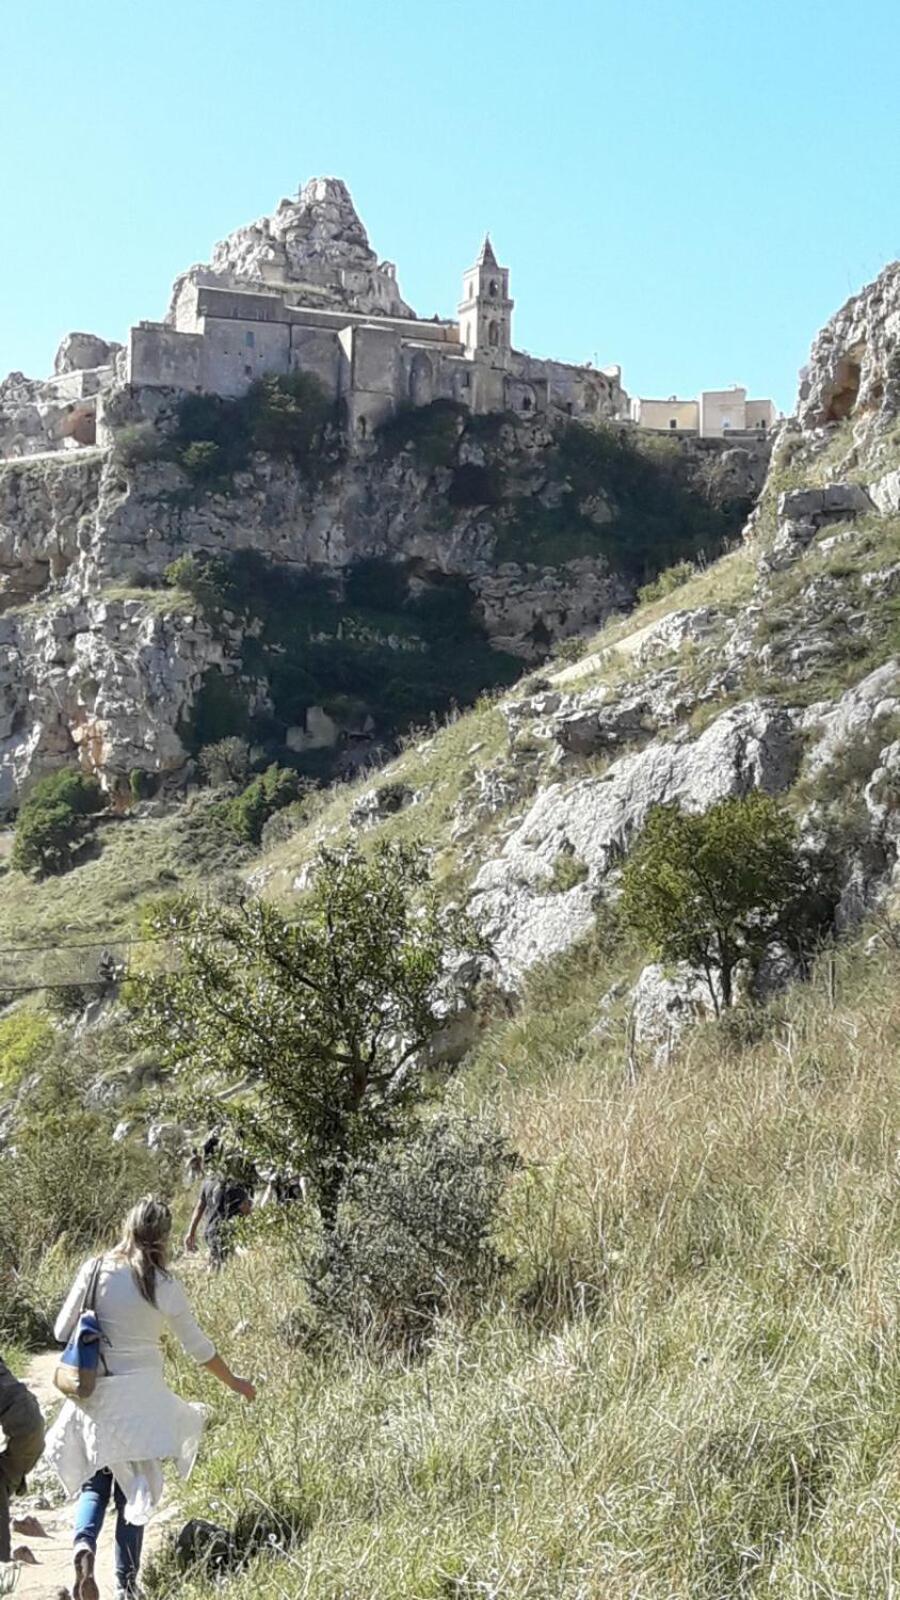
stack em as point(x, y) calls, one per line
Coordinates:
point(54, 1554)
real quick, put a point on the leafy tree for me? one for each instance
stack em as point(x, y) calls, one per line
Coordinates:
point(324, 1017)
point(54, 820)
point(720, 888)
point(274, 789)
point(287, 415)
point(225, 761)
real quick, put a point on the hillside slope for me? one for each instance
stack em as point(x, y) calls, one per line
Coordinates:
point(685, 1384)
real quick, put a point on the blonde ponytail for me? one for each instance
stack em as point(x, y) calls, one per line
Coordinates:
point(145, 1243)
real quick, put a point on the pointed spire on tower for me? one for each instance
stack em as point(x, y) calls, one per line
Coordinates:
point(487, 257)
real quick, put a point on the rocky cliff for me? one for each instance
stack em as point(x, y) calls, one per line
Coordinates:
point(511, 535)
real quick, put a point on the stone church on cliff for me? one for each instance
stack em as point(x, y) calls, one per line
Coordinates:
point(303, 291)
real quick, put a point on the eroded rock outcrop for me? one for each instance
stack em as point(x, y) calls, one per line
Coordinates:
point(593, 822)
point(854, 367)
point(315, 239)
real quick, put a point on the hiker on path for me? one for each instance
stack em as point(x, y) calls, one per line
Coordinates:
point(222, 1199)
point(112, 1445)
point(23, 1426)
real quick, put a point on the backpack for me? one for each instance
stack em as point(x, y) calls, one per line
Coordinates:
point(79, 1365)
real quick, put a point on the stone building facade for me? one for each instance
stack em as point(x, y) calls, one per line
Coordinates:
point(226, 329)
point(715, 414)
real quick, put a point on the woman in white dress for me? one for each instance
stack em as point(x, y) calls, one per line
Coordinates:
point(113, 1444)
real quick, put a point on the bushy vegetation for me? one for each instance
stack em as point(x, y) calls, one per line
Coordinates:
point(326, 1016)
point(64, 1186)
point(288, 415)
point(687, 1385)
point(225, 761)
point(271, 791)
point(413, 1238)
point(26, 1038)
point(376, 650)
point(653, 512)
point(55, 820)
point(669, 579)
point(722, 887)
point(431, 432)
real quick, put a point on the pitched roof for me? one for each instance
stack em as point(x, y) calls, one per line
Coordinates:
point(487, 257)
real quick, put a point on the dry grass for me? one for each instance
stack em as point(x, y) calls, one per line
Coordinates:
point(691, 1389)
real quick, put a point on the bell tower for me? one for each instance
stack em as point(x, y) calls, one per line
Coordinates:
point(485, 311)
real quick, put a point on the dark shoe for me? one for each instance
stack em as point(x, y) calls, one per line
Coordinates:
point(85, 1585)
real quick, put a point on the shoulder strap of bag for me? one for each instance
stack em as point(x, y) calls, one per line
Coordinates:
point(89, 1298)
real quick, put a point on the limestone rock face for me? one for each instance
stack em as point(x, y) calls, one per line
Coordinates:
point(854, 366)
point(751, 746)
point(79, 350)
point(853, 718)
point(100, 683)
point(315, 239)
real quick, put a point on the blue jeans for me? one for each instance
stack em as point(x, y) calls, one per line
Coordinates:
point(89, 1520)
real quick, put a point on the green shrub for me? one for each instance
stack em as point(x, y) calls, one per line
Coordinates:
point(201, 460)
point(327, 1015)
point(64, 1188)
point(142, 784)
point(288, 415)
point(25, 1038)
point(672, 578)
point(414, 1233)
point(274, 789)
point(473, 485)
point(136, 444)
point(568, 871)
point(53, 821)
point(430, 432)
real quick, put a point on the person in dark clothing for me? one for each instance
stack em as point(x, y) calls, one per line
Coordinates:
point(23, 1426)
point(221, 1201)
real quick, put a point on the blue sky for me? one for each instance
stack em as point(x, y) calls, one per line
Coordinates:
point(689, 189)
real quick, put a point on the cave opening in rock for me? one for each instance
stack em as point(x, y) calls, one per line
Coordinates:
point(845, 392)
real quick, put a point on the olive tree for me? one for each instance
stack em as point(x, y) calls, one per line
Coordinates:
point(322, 1017)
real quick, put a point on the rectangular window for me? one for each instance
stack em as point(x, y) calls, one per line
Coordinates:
point(249, 340)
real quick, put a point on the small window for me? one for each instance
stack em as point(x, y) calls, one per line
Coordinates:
point(471, 291)
point(363, 427)
point(248, 370)
point(526, 402)
point(464, 381)
point(673, 422)
point(493, 289)
point(249, 340)
point(493, 333)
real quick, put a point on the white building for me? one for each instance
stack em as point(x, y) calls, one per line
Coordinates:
point(713, 415)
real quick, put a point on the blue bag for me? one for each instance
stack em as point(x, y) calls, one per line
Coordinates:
point(79, 1365)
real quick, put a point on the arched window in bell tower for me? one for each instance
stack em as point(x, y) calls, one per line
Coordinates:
point(493, 289)
point(493, 333)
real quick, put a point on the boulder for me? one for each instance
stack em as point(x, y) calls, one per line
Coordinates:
point(665, 1002)
point(80, 350)
point(885, 493)
point(376, 804)
point(853, 717)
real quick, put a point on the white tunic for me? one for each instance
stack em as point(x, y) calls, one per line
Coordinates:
point(132, 1422)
